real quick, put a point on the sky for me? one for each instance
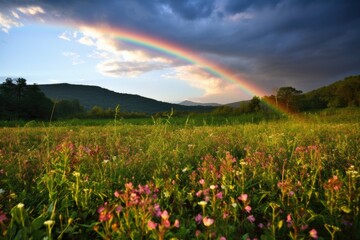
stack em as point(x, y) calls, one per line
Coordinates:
point(173, 50)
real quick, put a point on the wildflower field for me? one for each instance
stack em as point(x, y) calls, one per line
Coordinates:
point(283, 179)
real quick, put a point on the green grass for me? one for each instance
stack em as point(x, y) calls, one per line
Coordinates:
point(183, 179)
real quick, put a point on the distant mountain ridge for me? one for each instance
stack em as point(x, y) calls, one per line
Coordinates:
point(90, 96)
point(191, 103)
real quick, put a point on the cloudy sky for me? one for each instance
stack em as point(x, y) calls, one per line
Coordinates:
point(261, 45)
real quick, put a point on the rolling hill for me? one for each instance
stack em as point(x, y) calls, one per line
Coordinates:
point(90, 96)
point(191, 103)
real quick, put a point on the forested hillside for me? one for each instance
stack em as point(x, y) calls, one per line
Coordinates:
point(90, 96)
point(342, 93)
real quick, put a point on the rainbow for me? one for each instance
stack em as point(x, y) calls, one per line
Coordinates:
point(179, 52)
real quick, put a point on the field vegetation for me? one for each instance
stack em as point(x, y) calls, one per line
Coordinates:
point(183, 178)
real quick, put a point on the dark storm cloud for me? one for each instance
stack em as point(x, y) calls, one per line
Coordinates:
point(191, 9)
point(273, 43)
point(241, 6)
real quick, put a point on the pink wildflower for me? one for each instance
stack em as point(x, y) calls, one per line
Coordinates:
point(202, 181)
point(165, 215)
point(333, 183)
point(2, 217)
point(129, 186)
point(101, 209)
point(177, 223)
point(243, 197)
point(118, 209)
point(289, 220)
point(313, 233)
point(206, 191)
point(105, 216)
point(304, 227)
point(251, 218)
point(219, 195)
point(166, 223)
point(151, 225)
point(208, 221)
point(222, 238)
point(248, 209)
point(157, 210)
point(116, 194)
point(198, 218)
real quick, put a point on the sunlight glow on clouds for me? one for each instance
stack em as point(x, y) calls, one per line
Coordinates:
point(12, 18)
point(199, 79)
point(115, 68)
point(6, 23)
point(34, 10)
point(86, 40)
point(15, 15)
point(115, 59)
point(215, 89)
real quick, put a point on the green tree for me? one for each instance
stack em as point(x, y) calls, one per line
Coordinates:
point(18, 100)
point(347, 93)
point(34, 104)
point(287, 97)
point(223, 110)
point(96, 112)
point(67, 108)
point(254, 104)
point(9, 104)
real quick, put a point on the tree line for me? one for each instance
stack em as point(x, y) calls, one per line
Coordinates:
point(18, 100)
point(344, 93)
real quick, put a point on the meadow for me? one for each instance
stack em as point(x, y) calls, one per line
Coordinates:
point(288, 178)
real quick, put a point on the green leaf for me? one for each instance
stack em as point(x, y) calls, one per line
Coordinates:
point(38, 222)
point(345, 209)
point(265, 194)
point(280, 224)
point(245, 236)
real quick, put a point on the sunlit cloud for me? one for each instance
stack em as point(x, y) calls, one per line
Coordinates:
point(115, 68)
point(215, 89)
point(12, 18)
point(33, 10)
point(65, 36)
point(116, 60)
point(198, 78)
point(68, 36)
point(15, 15)
point(86, 40)
point(229, 93)
point(7, 22)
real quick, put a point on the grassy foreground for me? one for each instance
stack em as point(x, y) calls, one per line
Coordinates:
point(275, 180)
